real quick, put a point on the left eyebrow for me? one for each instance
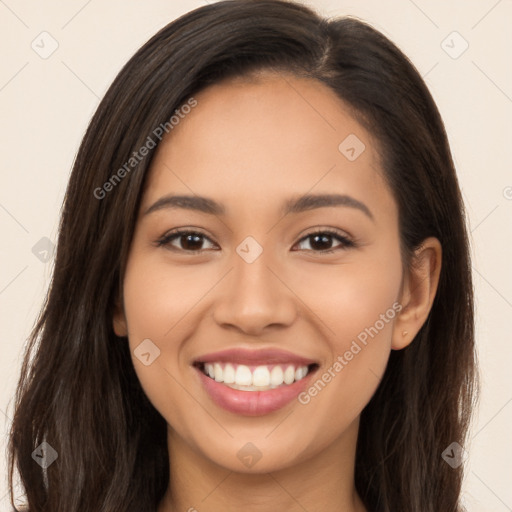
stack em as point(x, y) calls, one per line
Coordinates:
point(293, 205)
point(311, 201)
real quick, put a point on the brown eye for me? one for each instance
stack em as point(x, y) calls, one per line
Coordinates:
point(188, 241)
point(321, 241)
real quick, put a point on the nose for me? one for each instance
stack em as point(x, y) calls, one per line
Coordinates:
point(255, 298)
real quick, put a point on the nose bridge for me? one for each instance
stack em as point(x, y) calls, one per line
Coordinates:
point(253, 280)
point(251, 271)
point(254, 297)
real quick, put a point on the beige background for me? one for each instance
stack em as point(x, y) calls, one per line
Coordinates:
point(45, 104)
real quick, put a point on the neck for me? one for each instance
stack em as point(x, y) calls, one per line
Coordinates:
point(323, 481)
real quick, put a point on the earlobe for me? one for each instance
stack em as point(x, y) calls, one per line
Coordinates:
point(418, 292)
point(119, 321)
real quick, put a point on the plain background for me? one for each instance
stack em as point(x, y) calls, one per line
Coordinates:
point(46, 103)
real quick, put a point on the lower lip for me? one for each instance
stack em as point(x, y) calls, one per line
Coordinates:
point(252, 403)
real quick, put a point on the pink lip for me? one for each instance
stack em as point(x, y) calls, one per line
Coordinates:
point(254, 357)
point(252, 403)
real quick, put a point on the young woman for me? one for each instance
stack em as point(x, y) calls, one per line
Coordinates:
point(262, 294)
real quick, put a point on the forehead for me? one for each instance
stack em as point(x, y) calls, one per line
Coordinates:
point(256, 141)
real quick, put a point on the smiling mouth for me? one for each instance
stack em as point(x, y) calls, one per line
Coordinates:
point(255, 378)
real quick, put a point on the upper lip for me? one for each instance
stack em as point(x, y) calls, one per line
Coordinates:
point(254, 357)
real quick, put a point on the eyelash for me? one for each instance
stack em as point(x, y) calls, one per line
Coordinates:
point(176, 234)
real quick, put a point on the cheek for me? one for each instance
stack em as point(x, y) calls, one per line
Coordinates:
point(158, 296)
point(354, 297)
point(359, 306)
point(159, 301)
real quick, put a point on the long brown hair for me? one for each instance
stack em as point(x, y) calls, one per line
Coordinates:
point(78, 390)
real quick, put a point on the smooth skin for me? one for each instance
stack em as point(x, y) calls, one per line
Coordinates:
point(251, 145)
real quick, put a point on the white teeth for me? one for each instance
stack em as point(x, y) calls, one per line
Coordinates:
point(301, 372)
point(243, 375)
point(229, 374)
point(217, 370)
point(276, 376)
point(261, 378)
point(289, 375)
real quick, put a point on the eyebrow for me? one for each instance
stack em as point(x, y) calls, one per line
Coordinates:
point(293, 205)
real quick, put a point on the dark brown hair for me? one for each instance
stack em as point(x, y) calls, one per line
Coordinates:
point(78, 390)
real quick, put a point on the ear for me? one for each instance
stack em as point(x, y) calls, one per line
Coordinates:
point(119, 320)
point(419, 289)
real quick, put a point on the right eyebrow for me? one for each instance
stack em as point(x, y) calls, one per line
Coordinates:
point(199, 203)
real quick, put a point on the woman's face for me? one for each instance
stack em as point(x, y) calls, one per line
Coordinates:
point(254, 280)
